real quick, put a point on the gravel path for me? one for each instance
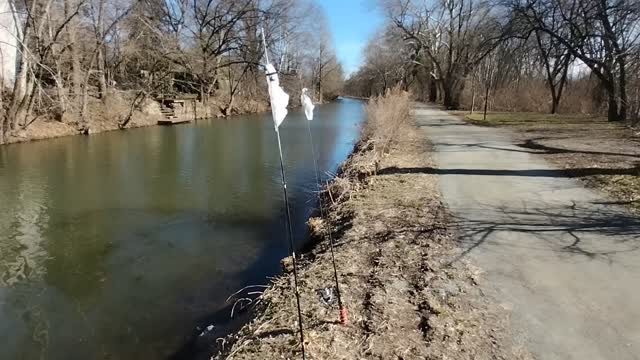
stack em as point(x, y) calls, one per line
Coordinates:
point(562, 258)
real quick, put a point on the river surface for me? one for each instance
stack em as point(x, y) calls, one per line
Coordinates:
point(117, 245)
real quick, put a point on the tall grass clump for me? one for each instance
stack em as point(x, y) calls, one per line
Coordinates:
point(387, 116)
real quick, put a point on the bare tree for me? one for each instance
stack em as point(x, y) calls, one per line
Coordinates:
point(455, 35)
point(125, 52)
point(556, 60)
point(103, 29)
point(600, 33)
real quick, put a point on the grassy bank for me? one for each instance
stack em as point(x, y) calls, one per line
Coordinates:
point(603, 155)
point(408, 292)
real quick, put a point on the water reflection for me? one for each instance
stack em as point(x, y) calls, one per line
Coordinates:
point(115, 245)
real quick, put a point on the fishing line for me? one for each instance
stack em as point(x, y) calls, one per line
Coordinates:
point(343, 310)
point(292, 250)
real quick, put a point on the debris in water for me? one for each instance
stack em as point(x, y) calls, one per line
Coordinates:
point(208, 329)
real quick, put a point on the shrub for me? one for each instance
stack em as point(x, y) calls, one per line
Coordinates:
point(387, 115)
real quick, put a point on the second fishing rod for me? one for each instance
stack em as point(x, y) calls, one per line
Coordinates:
point(308, 106)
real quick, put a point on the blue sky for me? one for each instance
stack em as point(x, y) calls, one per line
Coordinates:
point(352, 23)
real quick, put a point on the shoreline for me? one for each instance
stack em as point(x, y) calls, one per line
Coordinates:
point(407, 291)
point(47, 129)
point(52, 129)
point(67, 130)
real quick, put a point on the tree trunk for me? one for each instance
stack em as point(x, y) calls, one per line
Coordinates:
point(612, 113)
point(61, 93)
point(473, 93)
point(99, 55)
point(622, 85)
point(441, 91)
point(635, 111)
point(4, 128)
point(76, 74)
point(59, 83)
point(139, 99)
point(102, 80)
point(554, 104)
point(452, 91)
point(23, 108)
point(433, 91)
point(320, 80)
point(4, 125)
point(76, 71)
point(83, 123)
point(486, 103)
point(560, 88)
point(448, 99)
point(17, 109)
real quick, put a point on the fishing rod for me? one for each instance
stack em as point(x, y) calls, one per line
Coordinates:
point(308, 105)
point(292, 250)
point(291, 245)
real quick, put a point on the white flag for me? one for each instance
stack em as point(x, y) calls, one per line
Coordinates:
point(307, 104)
point(279, 99)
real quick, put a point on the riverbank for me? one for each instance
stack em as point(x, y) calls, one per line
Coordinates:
point(110, 115)
point(408, 292)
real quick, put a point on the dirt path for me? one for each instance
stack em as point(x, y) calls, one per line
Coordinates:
point(561, 257)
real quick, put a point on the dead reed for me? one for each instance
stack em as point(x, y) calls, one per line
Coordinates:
point(387, 115)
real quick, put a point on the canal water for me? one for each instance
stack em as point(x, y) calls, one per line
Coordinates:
point(118, 245)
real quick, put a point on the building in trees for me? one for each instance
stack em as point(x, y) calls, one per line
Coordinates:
point(8, 43)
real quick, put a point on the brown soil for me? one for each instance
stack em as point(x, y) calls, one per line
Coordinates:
point(408, 294)
point(605, 156)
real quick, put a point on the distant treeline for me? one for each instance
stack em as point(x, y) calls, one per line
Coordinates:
point(525, 55)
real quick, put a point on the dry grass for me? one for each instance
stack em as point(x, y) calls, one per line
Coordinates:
point(533, 119)
point(408, 294)
point(386, 116)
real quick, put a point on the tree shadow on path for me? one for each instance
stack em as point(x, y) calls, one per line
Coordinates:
point(554, 173)
point(592, 231)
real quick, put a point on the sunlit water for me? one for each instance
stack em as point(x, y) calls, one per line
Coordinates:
point(116, 246)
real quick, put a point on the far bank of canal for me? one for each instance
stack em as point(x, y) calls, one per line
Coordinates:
point(117, 245)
